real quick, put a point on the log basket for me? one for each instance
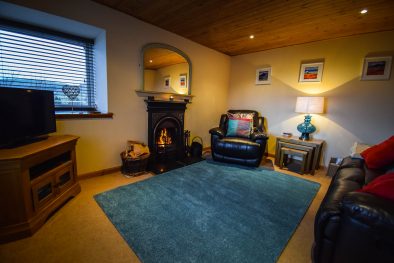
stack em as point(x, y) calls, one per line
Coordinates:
point(134, 166)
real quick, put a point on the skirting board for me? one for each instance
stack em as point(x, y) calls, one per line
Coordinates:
point(117, 168)
point(114, 169)
point(99, 173)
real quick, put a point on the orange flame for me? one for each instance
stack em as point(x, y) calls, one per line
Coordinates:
point(164, 137)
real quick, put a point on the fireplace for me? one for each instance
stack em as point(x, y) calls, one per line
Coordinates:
point(166, 139)
point(165, 134)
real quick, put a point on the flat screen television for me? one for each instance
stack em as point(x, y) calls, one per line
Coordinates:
point(26, 115)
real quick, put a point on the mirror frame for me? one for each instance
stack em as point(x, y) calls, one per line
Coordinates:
point(165, 46)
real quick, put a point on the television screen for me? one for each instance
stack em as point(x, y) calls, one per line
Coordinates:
point(25, 114)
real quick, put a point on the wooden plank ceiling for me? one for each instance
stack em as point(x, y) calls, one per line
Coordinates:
point(225, 25)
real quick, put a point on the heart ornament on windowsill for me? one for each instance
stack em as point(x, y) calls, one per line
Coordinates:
point(71, 91)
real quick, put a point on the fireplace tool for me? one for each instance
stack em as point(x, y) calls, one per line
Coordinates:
point(187, 143)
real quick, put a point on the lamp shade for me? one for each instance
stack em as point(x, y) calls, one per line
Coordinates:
point(310, 105)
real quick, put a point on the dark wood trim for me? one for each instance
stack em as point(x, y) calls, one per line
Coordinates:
point(61, 116)
point(99, 173)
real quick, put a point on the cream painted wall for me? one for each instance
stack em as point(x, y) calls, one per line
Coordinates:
point(101, 140)
point(355, 110)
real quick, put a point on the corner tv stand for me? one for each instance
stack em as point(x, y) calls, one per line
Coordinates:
point(35, 180)
point(24, 141)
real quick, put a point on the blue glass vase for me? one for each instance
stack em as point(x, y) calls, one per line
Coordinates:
point(306, 128)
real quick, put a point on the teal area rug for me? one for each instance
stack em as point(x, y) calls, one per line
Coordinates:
point(209, 212)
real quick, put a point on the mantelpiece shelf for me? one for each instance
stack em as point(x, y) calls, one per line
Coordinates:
point(164, 96)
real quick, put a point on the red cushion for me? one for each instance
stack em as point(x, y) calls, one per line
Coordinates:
point(379, 155)
point(383, 186)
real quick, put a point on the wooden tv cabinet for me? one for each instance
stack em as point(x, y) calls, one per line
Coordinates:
point(35, 180)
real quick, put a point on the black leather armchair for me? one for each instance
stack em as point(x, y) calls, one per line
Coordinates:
point(351, 226)
point(246, 151)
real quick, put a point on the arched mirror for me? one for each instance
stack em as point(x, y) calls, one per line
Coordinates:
point(166, 69)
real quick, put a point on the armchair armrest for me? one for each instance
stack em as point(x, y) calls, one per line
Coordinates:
point(223, 122)
point(217, 131)
point(260, 124)
point(258, 135)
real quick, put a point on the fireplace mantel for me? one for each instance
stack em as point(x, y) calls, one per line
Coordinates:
point(164, 96)
point(166, 105)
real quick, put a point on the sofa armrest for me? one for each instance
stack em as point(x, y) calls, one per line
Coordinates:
point(217, 131)
point(369, 209)
point(327, 220)
point(366, 229)
point(349, 162)
point(258, 135)
point(359, 228)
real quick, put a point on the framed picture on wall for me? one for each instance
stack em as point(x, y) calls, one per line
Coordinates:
point(376, 68)
point(167, 82)
point(263, 76)
point(311, 72)
point(183, 80)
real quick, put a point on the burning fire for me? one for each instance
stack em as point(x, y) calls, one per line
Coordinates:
point(164, 138)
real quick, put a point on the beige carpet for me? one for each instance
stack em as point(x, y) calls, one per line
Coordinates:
point(80, 231)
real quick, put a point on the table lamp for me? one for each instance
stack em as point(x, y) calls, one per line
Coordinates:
point(308, 105)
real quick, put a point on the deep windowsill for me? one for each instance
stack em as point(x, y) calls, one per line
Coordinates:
point(83, 115)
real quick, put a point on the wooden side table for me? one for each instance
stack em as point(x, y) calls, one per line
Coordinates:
point(288, 151)
point(313, 147)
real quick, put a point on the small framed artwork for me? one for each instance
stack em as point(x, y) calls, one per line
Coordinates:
point(183, 80)
point(311, 72)
point(167, 81)
point(376, 68)
point(263, 76)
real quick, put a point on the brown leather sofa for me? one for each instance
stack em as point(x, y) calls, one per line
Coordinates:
point(245, 151)
point(351, 226)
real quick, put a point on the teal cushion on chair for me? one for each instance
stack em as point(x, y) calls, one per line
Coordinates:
point(239, 127)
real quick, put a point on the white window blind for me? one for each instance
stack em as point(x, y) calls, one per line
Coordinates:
point(37, 58)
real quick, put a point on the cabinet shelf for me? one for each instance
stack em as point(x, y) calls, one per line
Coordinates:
point(41, 168)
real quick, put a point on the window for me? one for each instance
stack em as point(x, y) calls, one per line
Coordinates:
point(37, 58)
